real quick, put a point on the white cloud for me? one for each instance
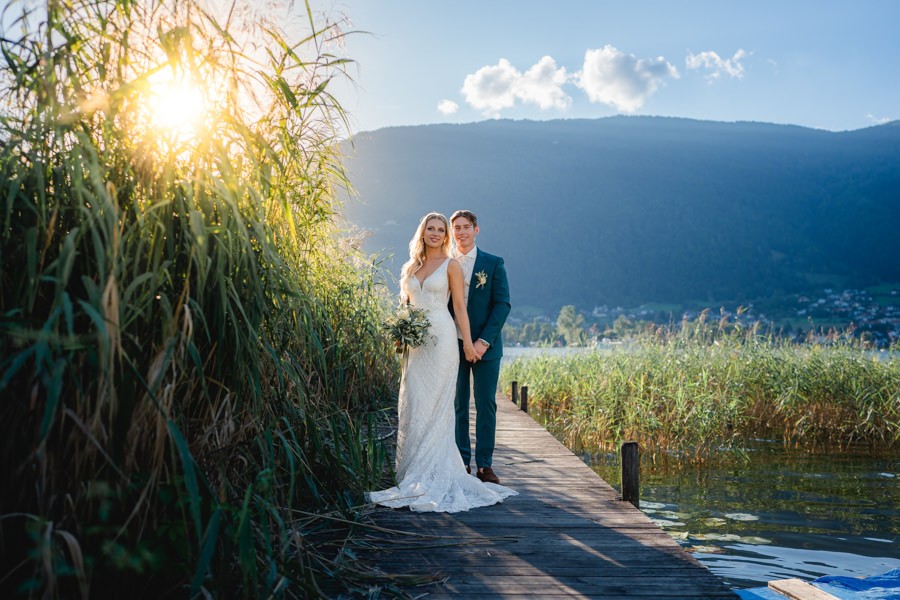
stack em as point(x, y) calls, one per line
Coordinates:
point(542, 85)
point(622, 80)
point(447, 107)
point(494, 88)
point(716, 65)
point(491, 88)
point(878, 120)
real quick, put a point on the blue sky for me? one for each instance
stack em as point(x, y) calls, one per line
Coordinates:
point(826, 64)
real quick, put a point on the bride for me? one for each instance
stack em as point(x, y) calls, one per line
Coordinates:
point(430, 471)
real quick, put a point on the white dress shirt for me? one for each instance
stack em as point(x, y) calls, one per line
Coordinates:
point(467, 262)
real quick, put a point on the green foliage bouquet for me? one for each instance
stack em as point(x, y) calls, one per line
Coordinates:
point(408, 327)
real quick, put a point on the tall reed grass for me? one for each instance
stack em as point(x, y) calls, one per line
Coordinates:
point(189, 348)
point(701, 386)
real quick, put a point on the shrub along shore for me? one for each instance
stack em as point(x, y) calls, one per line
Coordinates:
point(700, 387)
point(190, 349)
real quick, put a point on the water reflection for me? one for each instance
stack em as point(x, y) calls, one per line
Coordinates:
point(775, 514)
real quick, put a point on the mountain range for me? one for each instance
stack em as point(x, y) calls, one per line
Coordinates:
point(630, 210)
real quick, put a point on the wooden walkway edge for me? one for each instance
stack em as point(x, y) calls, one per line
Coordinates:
point(567, 534)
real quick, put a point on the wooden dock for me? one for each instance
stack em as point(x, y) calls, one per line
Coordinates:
point(567, 534)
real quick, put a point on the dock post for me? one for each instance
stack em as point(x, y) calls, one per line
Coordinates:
point(524, 403)
point(631, 489)
point(515, 392)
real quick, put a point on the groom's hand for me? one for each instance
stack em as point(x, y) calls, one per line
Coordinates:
point(471, 354)
point(480, 348)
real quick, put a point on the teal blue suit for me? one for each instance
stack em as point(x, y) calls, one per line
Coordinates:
point(487, 307)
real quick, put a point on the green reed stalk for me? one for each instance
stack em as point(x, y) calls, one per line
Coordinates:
point(188, 346)
point(700, 387)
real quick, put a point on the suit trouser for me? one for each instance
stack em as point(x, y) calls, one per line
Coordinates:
point(485, 374)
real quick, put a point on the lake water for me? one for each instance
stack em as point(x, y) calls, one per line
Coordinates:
point(775, 514)
point(512, 353)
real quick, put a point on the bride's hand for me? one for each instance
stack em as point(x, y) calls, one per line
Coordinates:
point(471, 355)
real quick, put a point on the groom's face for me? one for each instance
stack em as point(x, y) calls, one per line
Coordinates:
point(464, 233)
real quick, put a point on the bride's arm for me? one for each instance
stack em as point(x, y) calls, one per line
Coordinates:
point(457, 295)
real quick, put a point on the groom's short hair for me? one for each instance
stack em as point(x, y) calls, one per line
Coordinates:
point(466, 214)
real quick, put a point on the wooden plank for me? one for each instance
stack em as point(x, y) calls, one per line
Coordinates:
point(552, 595)
point(597, 551)
point(567, 534)
point(626, 586)
point(558, 566)
point(800, 590)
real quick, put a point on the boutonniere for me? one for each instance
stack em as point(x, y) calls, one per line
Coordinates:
point(481, 277)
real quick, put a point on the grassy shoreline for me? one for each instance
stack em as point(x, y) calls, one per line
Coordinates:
point(701, 387)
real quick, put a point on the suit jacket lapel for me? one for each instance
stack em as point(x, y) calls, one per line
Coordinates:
point(477, 266)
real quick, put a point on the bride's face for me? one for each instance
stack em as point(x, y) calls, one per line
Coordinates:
point(435, 233)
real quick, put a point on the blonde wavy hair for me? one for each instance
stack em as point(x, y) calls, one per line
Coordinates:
point(417, 246)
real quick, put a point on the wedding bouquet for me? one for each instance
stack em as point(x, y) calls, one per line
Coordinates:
point(408, 327)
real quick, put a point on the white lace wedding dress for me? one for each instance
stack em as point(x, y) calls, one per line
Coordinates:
point(430, 470)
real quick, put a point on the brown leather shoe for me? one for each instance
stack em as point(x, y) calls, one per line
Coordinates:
point(487, 475)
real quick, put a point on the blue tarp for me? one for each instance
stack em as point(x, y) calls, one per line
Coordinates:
point(877, 587)
point(882, 587)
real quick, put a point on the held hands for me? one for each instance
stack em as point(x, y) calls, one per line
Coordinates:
point(470, 352)
point(475, 351)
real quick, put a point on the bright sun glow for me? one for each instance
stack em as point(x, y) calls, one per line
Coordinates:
point(178, 107)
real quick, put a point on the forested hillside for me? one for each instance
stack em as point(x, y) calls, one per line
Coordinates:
point(626, 210)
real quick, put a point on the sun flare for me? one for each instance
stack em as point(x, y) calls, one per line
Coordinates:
point(178, 107)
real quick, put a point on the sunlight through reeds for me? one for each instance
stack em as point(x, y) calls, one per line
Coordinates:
point(189, 349)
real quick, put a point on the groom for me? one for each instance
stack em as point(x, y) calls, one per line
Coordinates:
point(487, 304)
